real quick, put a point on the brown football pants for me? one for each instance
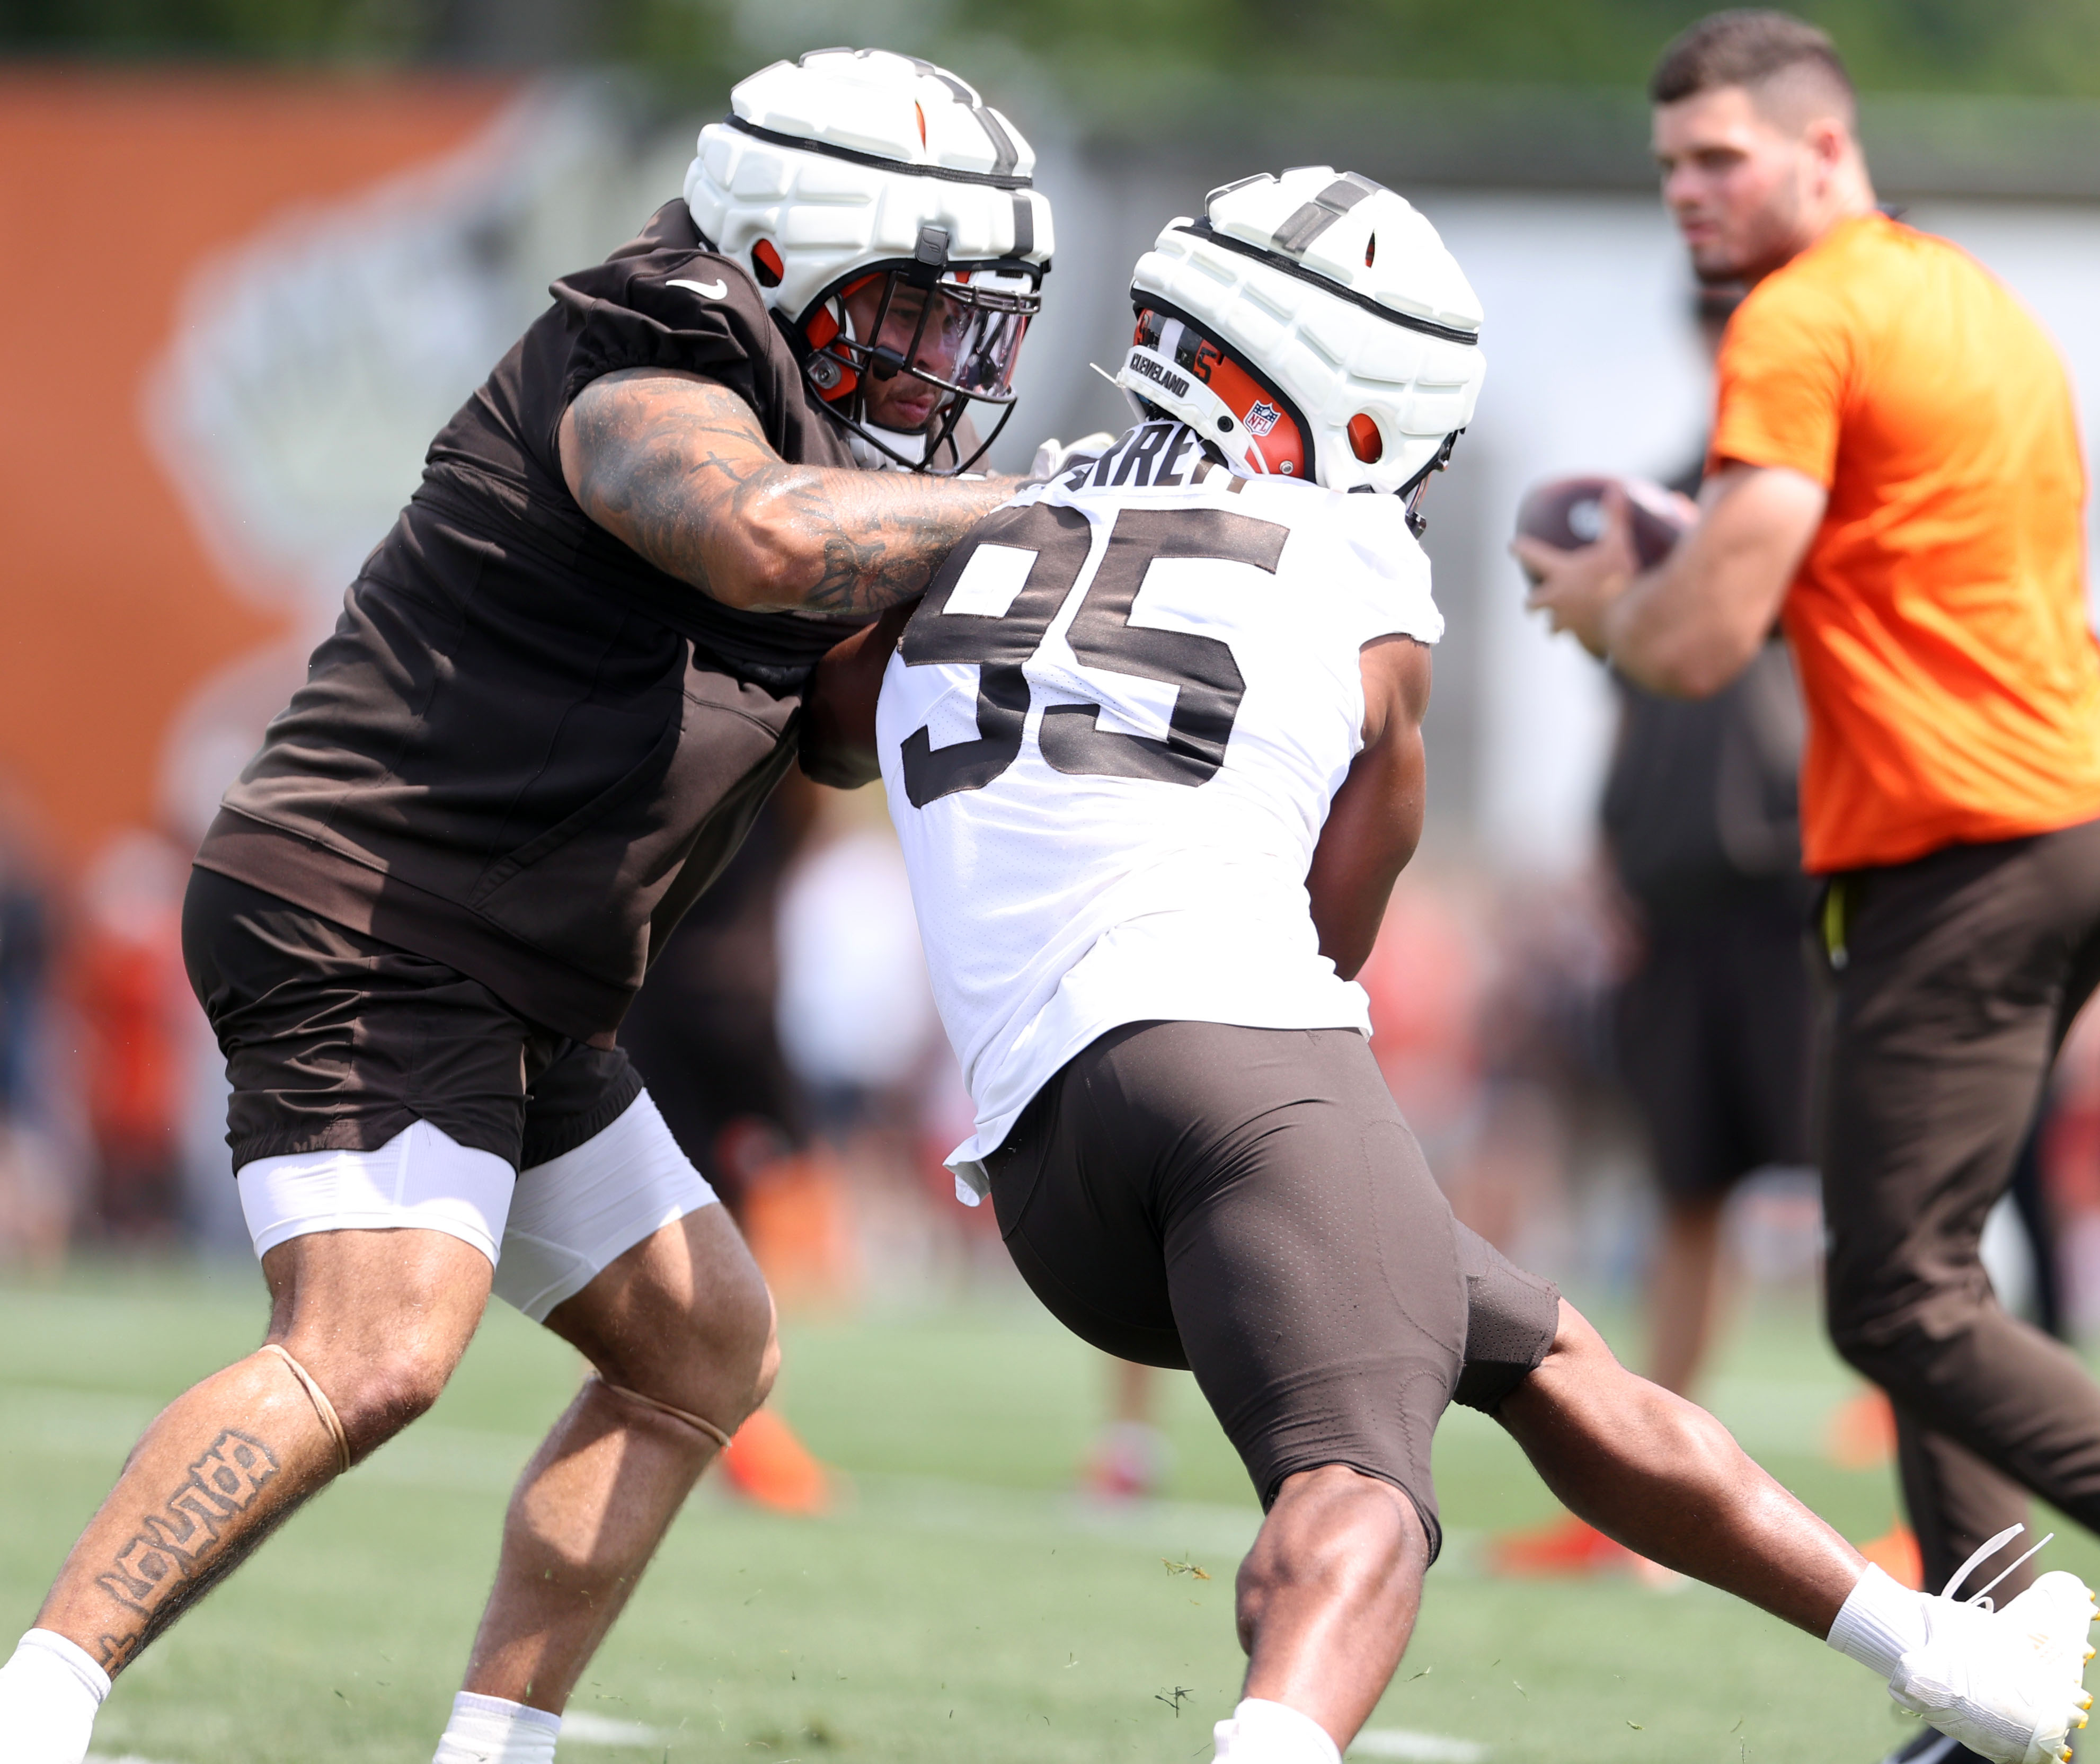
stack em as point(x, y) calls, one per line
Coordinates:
point(1953, 979)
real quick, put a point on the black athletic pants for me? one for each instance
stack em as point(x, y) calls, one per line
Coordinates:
point(1954, 979)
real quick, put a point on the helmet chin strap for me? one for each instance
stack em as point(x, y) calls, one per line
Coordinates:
point(876, 448)
point(1412, 492)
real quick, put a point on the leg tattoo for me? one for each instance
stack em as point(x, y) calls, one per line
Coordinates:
point(175, 1556)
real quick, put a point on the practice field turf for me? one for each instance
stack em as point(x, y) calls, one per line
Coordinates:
point(961, 1605)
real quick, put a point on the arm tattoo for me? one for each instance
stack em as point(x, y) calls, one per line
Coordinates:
point(177, 1556)
point(875, 556)
point(678, 468)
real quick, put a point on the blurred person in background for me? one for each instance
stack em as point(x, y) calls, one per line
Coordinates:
point(1131, 1455)
point(703, 1036)
point(858, 1026)
point(132, 1000)
point(1701, 826)
point(559, 692)
point(1895, 474)
point(1548, 1098)
point(25, 962)
point(2069, 1154)
point(856, 1021)
point(32, 1210)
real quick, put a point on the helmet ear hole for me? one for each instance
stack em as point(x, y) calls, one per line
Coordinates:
point(765, 264)
point(1365, 440)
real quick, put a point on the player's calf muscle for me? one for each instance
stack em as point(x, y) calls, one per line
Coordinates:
point(365, 1327)
point(1668, 1481)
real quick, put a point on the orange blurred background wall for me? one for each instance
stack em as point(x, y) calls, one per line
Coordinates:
point(117, 186)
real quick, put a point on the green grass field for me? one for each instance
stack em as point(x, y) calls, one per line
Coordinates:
point(961, 1605)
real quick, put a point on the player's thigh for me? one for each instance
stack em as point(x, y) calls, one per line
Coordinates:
point(379, 1318)
point(1940, 1033)
point(1513, 1320)
point(1074, 1187)
point(1312, 1260)
point(617, 1245)
point(684, 1316)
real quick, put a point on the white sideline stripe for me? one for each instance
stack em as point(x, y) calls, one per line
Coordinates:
point(1426, 1748)
point(581, 1727)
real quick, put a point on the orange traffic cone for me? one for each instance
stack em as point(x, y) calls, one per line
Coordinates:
point(1895, 1553)
point(768, 1465)
point(1567, 1545)
point(1862, 1433)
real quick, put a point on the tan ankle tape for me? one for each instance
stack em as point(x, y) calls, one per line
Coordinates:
point(707, 1427)
point(322, 1406)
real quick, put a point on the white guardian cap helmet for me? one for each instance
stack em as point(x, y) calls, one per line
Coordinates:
point(1311, 324)
point(860, 176)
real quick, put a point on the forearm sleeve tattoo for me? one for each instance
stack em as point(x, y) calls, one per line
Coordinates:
point(680, 470)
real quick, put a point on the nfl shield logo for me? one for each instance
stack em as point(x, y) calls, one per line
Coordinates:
point(1262, 418)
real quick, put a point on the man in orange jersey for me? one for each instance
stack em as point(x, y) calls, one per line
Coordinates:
point(1895, 476)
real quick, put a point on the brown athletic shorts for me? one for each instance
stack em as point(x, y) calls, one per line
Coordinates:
point(336, 1041)
point(1717, 1030)
point(1247, 1203)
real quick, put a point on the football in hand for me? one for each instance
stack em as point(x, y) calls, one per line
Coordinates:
point(1568, 512)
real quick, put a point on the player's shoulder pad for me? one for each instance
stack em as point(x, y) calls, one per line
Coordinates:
point(695, 289)
point(670, 276)
point(1366, 531)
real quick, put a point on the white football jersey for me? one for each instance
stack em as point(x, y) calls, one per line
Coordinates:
point(1109, 739)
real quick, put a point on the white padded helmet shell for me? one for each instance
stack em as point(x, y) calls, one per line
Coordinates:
point(1338, 293)
point(846, 158)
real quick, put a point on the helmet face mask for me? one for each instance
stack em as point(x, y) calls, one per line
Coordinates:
point(1412, 492)
point(899, 354)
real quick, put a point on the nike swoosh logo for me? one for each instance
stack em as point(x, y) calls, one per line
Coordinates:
point(712, 290)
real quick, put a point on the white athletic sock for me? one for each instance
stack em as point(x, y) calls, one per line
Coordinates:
point(49, 1693)
point(1880, 1622)
point(491, 1730)
point(1262, 1732)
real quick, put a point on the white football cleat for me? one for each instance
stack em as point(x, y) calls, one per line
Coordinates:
point(2054, 1612)
point(2007, 1684)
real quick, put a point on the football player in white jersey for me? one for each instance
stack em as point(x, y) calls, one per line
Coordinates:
point(1153, 745)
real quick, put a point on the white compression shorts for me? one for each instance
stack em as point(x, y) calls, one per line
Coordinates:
point(548, 1231)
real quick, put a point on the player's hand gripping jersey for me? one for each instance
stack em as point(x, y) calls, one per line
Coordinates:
point(1110, 737)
